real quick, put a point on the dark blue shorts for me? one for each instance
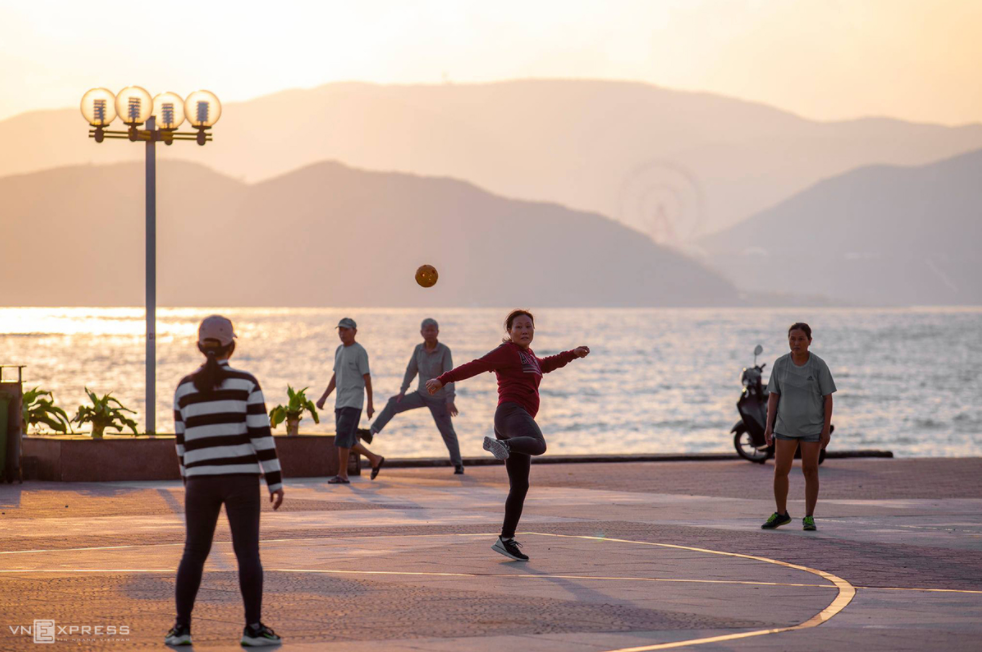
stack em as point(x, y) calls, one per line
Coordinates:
point(810, 439)
point(346, 426)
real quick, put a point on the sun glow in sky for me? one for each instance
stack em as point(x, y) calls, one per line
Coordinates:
point(826, 59)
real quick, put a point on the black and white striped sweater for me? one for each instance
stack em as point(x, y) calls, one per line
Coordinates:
point(226, 431)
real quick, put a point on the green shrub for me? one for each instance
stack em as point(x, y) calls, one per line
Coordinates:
point(105, 412)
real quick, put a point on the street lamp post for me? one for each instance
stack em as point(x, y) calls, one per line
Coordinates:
point(162, 115)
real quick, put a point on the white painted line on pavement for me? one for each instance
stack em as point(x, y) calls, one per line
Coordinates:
point(845, 595)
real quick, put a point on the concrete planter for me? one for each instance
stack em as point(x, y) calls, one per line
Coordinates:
point(117, 458)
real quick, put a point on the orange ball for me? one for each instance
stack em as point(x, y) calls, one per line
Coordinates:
point(427, 276)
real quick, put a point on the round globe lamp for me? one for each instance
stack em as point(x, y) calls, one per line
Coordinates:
point(99, 107)
point(168, 111)
point(134, 105)
point(202, 109)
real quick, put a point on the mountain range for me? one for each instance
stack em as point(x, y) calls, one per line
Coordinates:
point(670, 163)
point(323, 235)
point(879, 235)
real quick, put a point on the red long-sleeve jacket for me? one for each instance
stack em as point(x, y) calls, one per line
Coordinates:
point(518, 370)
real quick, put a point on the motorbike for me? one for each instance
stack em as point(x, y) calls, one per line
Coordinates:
point(748, 433)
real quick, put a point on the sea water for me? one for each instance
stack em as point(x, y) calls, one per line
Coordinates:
point(656, 381)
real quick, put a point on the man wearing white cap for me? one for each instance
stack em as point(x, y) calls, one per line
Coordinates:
point(353, 380)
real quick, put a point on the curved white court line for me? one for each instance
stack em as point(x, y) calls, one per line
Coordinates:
point(845, 595)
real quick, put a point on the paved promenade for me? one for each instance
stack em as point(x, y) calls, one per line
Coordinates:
point(640, 556)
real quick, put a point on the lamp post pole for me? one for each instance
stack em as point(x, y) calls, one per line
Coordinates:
point(151, 239)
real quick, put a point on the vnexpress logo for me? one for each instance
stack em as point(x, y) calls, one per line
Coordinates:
point(47, 631)
point(44, 631)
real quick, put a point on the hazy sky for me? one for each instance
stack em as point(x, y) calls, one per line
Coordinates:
point(827, 59)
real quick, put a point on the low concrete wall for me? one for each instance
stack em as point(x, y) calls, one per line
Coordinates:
point(79, 458)
point(487, 460)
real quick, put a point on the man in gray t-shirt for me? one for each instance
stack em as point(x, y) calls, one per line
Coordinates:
point(430, 359)
point(350, 372)
point(353, 380)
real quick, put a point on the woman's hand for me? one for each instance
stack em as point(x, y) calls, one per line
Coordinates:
point(768, 436)
point(581, 351)
point(276, 498)
point(825, 438)
point(433, 386)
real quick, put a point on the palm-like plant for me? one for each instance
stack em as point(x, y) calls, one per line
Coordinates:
point(38, 411)
point(293, 411)
point(105, 412)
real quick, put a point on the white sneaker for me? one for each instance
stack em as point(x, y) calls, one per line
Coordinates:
point(496, 448)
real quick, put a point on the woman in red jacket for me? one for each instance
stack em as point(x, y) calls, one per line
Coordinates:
point(517, 436)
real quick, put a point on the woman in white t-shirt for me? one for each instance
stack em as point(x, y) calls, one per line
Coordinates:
point(799, 413)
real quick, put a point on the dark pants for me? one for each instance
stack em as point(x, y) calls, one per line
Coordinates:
point(513, 424)
point(441, 416)
point(203, 500)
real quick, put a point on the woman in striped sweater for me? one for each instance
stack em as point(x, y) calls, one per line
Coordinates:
point(223, 445)
point(517, 435)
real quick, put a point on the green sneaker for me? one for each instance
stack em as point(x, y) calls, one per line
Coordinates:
point(776, 520)
point(808, 523)
point(259, 636)
point(178, 635)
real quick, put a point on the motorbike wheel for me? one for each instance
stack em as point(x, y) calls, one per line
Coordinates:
point(745, 448)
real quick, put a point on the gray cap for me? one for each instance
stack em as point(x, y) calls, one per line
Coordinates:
point(347, 322)
point(216, 327)
point(429, 321)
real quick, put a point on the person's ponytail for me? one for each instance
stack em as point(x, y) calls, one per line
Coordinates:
point(211, 374)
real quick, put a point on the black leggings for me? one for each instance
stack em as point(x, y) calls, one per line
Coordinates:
point(203, 499)
point(514, 424)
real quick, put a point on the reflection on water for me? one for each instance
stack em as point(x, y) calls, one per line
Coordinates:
point(657, 380)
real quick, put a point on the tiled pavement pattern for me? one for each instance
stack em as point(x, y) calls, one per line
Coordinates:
point(402, 563)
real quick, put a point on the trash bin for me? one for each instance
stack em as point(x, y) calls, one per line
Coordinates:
point(4, 405)
point(11, 395)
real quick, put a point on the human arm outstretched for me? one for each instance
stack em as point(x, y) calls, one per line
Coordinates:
point(496, 359)
point(553, 362)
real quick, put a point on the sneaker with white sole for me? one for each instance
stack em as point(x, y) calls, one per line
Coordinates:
point(178, 635)
point(259, 636)
point(497, 448)
point(509, 548)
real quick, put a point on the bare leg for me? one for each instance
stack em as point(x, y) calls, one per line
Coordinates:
point(809, 467)
point(373, 459)
point(343, 462)
point(783, 459)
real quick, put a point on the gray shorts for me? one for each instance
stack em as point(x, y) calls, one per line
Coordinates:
point(346, 426)
point(811, 439)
